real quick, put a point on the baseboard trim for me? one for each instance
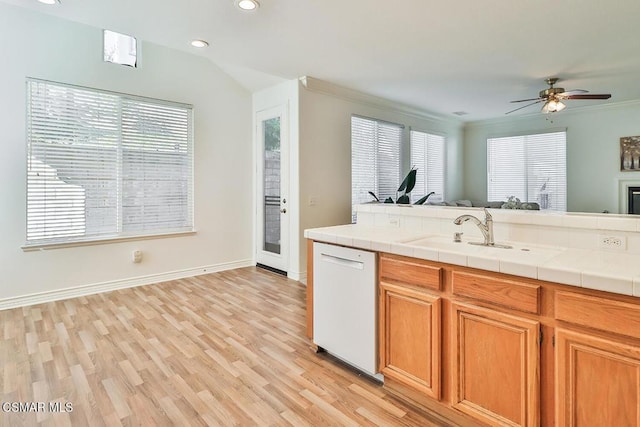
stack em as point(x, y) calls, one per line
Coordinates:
point(300, 276)
point(96, 288)
point(303, 278)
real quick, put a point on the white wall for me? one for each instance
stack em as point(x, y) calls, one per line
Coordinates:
point(44, 47)
point(325, 152)
point(593, 151)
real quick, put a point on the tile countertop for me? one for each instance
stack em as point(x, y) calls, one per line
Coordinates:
point(593, 269)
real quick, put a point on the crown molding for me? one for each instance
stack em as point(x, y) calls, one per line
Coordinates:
point(571, 111)
point(321, 86)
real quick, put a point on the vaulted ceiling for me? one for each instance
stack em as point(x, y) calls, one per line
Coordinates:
point(443, 57)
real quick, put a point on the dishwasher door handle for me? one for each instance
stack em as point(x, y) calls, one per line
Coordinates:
point(345, 262)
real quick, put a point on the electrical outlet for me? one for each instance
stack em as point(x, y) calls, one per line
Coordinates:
point(136, 256)
point(394, 220)
point(618, 243)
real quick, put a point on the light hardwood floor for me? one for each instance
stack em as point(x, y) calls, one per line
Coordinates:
point(220, 349)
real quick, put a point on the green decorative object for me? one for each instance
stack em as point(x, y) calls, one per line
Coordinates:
point(407, 185)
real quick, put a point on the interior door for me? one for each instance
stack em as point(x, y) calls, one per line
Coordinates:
point(272, 226)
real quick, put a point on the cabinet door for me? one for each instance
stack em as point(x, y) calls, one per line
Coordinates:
point(410, 338)
point(495, 366)
point(597, 381)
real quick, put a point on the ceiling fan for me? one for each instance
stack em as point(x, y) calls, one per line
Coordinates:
point(553, 96)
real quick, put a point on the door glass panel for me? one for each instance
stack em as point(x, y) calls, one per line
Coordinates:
point(271, 183)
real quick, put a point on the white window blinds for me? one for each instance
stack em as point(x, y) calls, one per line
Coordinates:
point(532, 168)
point(375, 159)
point(427, 155)
point(103, 165)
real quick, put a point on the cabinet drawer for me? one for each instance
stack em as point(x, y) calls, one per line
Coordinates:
point(408, 271)
point(598, 313)
point(507, 293)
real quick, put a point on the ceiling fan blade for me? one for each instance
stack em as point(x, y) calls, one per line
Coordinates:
point(532, 99)
point(573, 92)
point(528, 105)
point(590, 96)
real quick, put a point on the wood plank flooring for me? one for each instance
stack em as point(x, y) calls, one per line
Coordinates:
point(221, 349)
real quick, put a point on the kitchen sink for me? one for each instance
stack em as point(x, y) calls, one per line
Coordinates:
point(510, 251)
point(440, 242)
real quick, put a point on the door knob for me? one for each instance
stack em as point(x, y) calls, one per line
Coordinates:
point(283, 210)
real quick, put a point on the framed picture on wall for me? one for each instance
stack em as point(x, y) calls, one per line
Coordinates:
point(630, 153)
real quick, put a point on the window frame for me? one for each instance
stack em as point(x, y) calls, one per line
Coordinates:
point(136, 44)
point(444, 164)
point(118, 235)
point(401, 141)
point(524, 134)
point(404, 155)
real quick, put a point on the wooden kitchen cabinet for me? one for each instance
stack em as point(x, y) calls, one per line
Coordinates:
point(468, 346)
point(597, 381)
point(495, 366)
point(597, 375)
point(454, 335)
point(410, 337)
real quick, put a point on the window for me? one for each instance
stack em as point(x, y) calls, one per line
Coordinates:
point(102, 165)
point(532, 168)
point(120, 48)
point(427, 155)
point(375, 159)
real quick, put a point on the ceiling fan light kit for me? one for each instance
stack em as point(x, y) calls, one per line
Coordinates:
point(553, 106)
point(553, 96)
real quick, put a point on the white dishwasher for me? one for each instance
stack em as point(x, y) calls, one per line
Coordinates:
point(344, 304)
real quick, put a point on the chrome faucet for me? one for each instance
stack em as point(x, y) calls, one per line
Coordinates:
point(486, 228)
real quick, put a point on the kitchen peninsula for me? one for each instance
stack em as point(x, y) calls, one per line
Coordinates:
point(544, 333)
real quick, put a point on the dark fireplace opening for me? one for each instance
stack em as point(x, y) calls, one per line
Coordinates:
point(634, 201)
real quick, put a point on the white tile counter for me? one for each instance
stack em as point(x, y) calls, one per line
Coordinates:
point(611, 271)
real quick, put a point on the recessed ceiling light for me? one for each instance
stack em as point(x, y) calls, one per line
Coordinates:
point(247, 4)
point(49, 1)
point(199, 43)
